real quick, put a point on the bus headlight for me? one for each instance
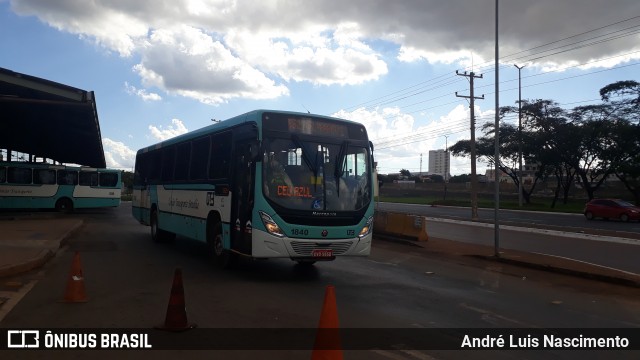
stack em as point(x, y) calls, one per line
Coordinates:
point(366, 229)
point(271, 225)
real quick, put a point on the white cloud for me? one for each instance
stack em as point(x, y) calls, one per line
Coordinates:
point(118, 155)
point(142, 93)
point(322, 58)
point(189, 62)
point(218, 50)
point(176, 128)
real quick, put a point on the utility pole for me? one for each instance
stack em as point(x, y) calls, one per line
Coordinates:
point(446, 157)
point(474, 178)
point(420, 164)
point(519, 135)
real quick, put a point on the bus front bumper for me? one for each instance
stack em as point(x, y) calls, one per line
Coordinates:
point(265, 245)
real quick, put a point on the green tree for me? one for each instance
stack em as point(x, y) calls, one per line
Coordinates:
point(127, 180)
point(596, 154)
point(462, 178)
point(623, 98)
point(551, 135)
point(509, 151)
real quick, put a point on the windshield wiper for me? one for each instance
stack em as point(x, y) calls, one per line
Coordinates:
point(305, 153)
point(340, 164)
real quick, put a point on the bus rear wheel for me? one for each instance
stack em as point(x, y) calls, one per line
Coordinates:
point(64, 205)
point(157, 234)
point(220, 256)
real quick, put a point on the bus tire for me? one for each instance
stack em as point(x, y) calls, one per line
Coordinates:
point(220, 256)
point(158, 235)
point(64, 205)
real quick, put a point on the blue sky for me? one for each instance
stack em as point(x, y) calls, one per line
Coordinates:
point(161, 68)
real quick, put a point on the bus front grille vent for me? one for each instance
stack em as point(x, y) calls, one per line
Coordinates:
point(305, 248)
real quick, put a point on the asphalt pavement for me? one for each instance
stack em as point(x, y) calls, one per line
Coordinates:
point(28, 242)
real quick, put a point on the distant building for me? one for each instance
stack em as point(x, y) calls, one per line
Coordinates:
point(439, 163)
point(490, 176)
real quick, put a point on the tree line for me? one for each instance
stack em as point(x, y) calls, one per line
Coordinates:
point(582, 145)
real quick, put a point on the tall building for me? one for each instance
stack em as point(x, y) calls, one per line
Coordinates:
point(439, 163)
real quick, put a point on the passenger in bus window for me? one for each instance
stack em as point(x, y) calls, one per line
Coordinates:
point(276, 176)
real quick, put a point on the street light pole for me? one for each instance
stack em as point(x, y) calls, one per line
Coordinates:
point(446, 157)
point(519, 136)
point(446, 164)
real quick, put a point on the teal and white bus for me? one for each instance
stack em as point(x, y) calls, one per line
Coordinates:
point(265, 184)
point(25, 185)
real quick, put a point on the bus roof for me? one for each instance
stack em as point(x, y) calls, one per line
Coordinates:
point(251, 116)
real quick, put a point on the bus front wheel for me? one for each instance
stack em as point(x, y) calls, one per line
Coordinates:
point(64, 205)
point(215, 240)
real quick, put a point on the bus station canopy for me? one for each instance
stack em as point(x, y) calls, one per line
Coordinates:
point(48, 119)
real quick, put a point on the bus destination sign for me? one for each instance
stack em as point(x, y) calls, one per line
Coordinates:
point(317, 127)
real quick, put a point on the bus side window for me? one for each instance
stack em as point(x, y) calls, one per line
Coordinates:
point(88, 178)
point(108, 179)
point(220, 156)
point(199, 159)
point(3, 174)
point(182, 161)
point(66, 177)
point(44, 177)
point(168, 163)
point(155, 168)
point(17, 175)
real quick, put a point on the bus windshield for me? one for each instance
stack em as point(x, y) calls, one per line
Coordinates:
point(316, 175)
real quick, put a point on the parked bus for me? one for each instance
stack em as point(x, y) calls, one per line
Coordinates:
point(265, 184)
point(25, 185)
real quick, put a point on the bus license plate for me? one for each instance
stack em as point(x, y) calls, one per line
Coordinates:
point(321, 253)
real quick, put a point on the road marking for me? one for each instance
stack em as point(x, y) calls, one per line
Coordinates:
point(410, 353)
point(388, 354)
point(487, 315)
point(588, 263)
point(14, 298)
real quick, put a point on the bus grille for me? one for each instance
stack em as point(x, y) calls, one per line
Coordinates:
point(305, 248)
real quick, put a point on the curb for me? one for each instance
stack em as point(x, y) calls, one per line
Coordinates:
point(33, 263)
point(43, 256)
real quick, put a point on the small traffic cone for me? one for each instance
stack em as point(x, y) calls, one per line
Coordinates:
point(75, 292)
point(327, 345)
point(176, 319)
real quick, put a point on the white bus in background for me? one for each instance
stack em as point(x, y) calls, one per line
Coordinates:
point(25, 185)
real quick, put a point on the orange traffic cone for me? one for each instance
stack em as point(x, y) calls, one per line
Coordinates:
point(327, 345)
point(75, 292)
point(176, 319)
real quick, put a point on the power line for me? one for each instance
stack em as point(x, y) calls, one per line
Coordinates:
point(438, 82)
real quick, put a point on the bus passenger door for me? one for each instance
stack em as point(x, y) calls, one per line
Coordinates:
point(141, 201)
point(145, 205)
point(242, 202)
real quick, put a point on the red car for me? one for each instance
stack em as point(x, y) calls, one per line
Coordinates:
point(611, 209)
